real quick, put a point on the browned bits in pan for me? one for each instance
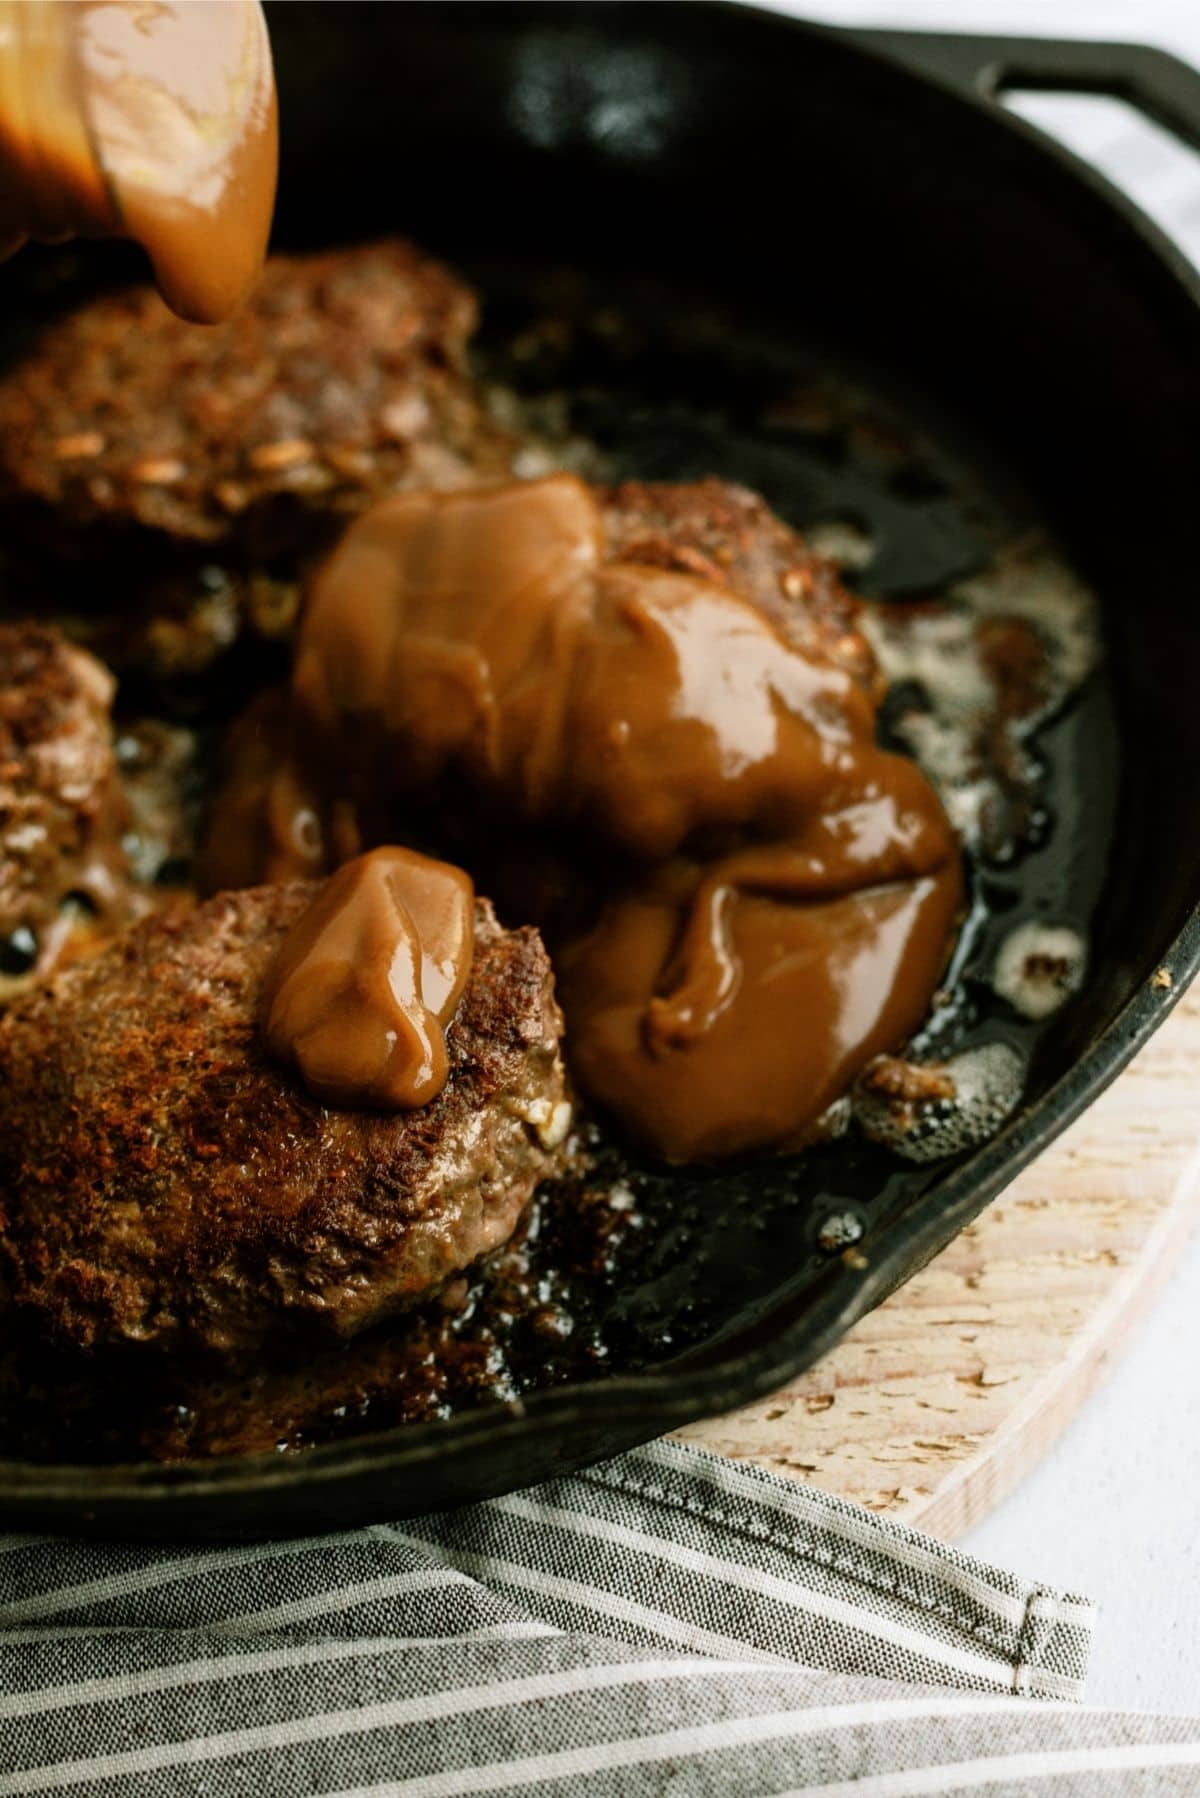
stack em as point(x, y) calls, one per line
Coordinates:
point(910, 1082)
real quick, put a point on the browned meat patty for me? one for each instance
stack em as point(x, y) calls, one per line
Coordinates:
point(62, 811)
point(192, 468)
point(712, 528)
point(726, 533)
point(341, 379)
point(163, 1182)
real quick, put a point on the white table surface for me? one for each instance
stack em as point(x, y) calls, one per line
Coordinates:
point(1113, 1511)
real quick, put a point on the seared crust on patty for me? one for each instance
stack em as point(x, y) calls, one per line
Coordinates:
point(62, 812)
point(341, 379)
point(162, 1181)
point(725, 533)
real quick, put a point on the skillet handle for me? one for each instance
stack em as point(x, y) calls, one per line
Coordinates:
point(1159, 85)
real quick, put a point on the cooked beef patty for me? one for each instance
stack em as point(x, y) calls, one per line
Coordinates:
point(711, 528)
point(340, 379)
point(62, 813)
point(192, 469)
point(163, 1182)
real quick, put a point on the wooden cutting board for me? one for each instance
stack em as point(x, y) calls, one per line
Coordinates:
point(935, 1405)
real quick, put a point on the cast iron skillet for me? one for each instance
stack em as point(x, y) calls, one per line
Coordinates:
point(857, 184)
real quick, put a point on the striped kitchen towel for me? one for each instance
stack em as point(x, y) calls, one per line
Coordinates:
point(665, 1623)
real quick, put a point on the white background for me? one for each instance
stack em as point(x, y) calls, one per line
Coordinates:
point(1174, 24)
point(1114, 1511)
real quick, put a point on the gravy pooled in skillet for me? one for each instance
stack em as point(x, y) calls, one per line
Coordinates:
point(780, 893)
point(156, 122)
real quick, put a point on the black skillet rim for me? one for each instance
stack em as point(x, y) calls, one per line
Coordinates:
point(799, 1330)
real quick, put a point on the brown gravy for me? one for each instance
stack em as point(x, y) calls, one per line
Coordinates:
point(782, 891)
point(817, 990)
point(154, 120)
point(367, 979)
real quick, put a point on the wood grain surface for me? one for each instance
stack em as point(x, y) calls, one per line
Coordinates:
point(935, 1405)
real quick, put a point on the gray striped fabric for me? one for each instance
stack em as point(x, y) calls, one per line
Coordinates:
point(666, 1623)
